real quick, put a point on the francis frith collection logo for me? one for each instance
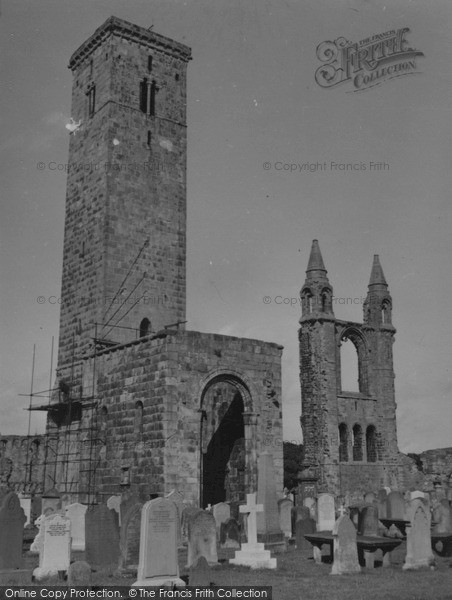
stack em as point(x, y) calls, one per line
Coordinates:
point(368, 62)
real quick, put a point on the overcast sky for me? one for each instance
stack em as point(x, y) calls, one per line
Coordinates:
point(252, 98)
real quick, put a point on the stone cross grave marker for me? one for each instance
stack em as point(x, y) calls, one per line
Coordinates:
point(102, 537)
point(418, 541)
point(253, 554)
point(158, 563)
point(202, 538)
point(285, 506)
point(12, 519)
point(55, 554)
point(326, 516)
point(76, 513)
point(345, 551)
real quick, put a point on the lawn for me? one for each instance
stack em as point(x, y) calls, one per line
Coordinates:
point(299, 578)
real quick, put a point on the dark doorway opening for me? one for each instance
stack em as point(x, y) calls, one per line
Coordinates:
point(223, 462)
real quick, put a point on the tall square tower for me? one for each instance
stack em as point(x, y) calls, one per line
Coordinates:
point(124, 264)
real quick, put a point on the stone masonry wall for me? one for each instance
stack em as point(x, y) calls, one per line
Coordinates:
point(168, 375)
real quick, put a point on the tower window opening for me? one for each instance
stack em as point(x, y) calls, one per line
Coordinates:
point(149, 139)
point(385, 312)
point(371, 444)
point(357, 442)
point(91, 68)
point(91, 95)
point(138, 421)
point(149, 63)
point(145, 327)
point(176, 77)
point(144, 95)
point(343, 443)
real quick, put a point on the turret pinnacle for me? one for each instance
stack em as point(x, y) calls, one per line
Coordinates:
point(377, 276)
point(315, 259)
point(316, 293)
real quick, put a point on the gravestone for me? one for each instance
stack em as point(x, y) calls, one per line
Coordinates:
point(326, 514)
point(221, 513)
point(51, 499)
point(268, 528)
point(114, 503)
point(302, 527)
point(200, 573)
point(311, 504)
point(12, 520)
point(345, 551)
point(418, 542)
point(158, 564)
point(202, 538)
point(442, 516)
point(187, 515)
point(252, 553)
point(178, 500)
point(130, 538)
point(101, 537)
point(25, 503)
point(395, 506)
point(368, 526)
point(79, 573)
point(299, 512)
point(76, 513)
point(55, 552)
point(285, 516)
point(369, 498)
point(416, 494)
point(368, 520)
point(230, 534)
point(382, 503)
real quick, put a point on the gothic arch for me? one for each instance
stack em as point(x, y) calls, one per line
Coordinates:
point(358, 339)
point(224, 426)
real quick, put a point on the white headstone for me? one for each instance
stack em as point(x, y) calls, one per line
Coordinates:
point(26, 506)
point(55, 552)
point(312, 505)
point(418, 542)
point(345, 550)
point(158, 564)
point(76, 513)
point(326, 516)
point(253, 554)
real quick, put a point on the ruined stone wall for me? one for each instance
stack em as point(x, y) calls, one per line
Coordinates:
point(157, 443)
point(22, 463)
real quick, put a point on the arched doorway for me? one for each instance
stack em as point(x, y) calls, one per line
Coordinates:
point(225, 441)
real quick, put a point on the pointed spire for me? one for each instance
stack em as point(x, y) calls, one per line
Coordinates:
point(377, 276)
point(315, 259)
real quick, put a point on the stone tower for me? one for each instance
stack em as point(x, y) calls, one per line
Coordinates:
point(350, 438)
point(145, 406)
point(124, 246)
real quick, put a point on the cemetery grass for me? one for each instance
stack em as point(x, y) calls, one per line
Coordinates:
point(299, 578)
